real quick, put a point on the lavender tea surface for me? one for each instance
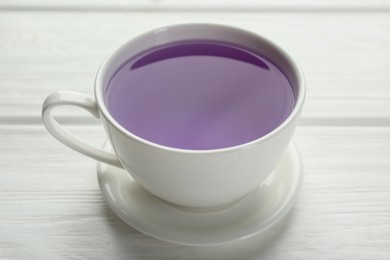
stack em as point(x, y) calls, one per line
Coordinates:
point(199, 95)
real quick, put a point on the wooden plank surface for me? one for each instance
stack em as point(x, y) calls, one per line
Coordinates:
point(45, 51)
point(50, 203)
point(199, 5)
point(51, 206)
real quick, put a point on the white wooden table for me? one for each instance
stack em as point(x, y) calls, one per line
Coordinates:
point(50, 203)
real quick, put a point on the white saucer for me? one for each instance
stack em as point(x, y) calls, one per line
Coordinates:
point(250, 216)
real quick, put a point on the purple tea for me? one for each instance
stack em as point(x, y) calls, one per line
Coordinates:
point(199, 95)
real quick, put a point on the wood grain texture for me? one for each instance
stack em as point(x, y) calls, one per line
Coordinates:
point(199, 5)
point(51, 206)
point(344, 56)
point(50, 203)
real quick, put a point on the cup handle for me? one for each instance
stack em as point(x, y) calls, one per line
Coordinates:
point(65, 98)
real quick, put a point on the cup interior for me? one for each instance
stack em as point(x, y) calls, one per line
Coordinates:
point(198, 32)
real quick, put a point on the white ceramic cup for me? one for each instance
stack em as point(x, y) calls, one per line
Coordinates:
point(193, 178)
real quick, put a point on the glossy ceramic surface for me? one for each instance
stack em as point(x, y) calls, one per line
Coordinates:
point(249, 216)
point(193, 178)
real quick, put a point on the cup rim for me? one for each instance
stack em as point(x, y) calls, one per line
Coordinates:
point(301, 86)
